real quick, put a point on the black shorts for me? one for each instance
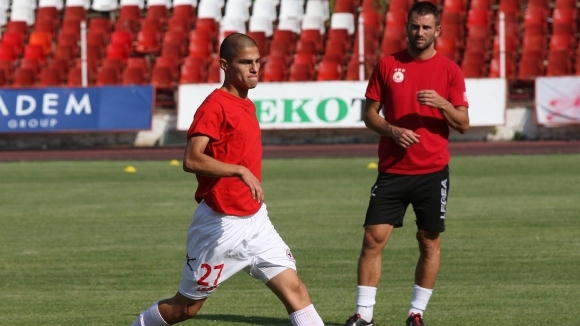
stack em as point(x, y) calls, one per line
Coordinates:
point(392, 194)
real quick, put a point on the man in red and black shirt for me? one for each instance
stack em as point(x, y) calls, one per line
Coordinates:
point(422, 94)
point(231, 230)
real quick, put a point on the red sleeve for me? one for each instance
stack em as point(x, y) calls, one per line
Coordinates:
point(207, 121)
point(375, 86)
point(457, 92)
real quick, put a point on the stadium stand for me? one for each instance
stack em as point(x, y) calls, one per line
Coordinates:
point(165, 43)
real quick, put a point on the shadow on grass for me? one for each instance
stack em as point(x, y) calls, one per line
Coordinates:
point(251, 320)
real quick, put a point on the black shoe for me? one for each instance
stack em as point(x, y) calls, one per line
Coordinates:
point(415, 320)
point(356, 320)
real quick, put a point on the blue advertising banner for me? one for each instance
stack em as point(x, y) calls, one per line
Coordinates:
point(109, 108)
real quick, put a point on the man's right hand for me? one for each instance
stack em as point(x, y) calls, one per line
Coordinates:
point(253, 183)
point(404, 137)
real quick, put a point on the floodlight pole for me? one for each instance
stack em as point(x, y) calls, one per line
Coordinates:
point(84, 74)
point(361, 48)
point(502, 68)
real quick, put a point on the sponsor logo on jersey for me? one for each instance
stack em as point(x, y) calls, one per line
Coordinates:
point(399, 75)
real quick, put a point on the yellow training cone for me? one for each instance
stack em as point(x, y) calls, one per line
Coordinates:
point(372, 165)
point(174, 162)
point(130, 169)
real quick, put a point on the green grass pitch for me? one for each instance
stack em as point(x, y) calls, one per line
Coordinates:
point(84, 243)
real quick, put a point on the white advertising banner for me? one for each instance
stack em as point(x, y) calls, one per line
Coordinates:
point(558, 100)
point(336, 104)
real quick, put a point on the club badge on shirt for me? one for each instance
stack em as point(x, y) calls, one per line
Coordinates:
point(399, 75)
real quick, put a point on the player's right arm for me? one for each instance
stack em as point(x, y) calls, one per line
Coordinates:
point(196, 161)
point(373, 120)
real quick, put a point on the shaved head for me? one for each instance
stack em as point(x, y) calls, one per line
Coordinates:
point(232, 43)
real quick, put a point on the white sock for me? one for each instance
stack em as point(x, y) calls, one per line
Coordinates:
point(420, 300)
point(150, 317)
point(365, 301)
point(306, 317)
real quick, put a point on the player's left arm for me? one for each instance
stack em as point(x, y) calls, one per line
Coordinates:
point(456, 116)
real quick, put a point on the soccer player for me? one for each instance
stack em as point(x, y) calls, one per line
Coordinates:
point(423, 94)
point(231, 230)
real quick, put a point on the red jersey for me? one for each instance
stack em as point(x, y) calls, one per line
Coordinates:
point(394, 83)
point(235, 138)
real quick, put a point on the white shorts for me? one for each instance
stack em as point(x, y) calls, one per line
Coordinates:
point(219, 246)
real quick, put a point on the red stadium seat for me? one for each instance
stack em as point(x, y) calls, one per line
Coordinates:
point(184, 12)
point(14, 41)
point(7, 67)
point(24, 77)
point(48, 13)
point(141, 63)
point(157, 12)
point(345, 6)
point(123, 38)
point(162, 78)
point(274, 72)
point(100, 25)
point(329, 70)
point(192, 74)
point(448, 47)
point(473, 64)
point(530, 66)
point(261, 40)
point(117, 51)
point(46, 25)
point(107, 76)
point(562, 42)
point(32, 64)
point(35, 52)
point(313, 35)
point(481, 4)
point(300, 72)
point(75, 13)
point(133, 76)
point(72, 26)
point(565, 4)
point(396, 5)
point(214, 71)
point(178, 24)
point(148, 42)
point(396, 18)
point(41, 39)
point(559, 63)
point(509, 69)
point(50, 76)
point(457, 6)
point(19, 27)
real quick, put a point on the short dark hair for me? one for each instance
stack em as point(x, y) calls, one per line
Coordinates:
point(424, 8)
point(232, 43)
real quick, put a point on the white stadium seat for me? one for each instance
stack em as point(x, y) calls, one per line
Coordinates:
point(238, 8)
point(51, 3)
point(104, 5)
point(264, 8)
point(233, 24)
point(79, 3)
point(291, 9)
point(193, 3)
point(290, 24)
point(139, 3)
point(166, 3)
point(314, 22)
point(342, 20)
point(22, 14)
point(209, 9)
point(261, 24)
point(318, 8)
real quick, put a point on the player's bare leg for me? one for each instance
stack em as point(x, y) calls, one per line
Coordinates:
point(425, 274)
point(370, 262)
point(293, 293)
point(430, 255)
point(370, 265)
